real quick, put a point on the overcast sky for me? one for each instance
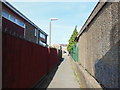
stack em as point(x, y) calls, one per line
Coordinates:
point(69, 15)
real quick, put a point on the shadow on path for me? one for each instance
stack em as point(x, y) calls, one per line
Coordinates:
point(44, 83)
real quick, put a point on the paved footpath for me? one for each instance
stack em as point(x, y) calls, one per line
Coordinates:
point(64, 77)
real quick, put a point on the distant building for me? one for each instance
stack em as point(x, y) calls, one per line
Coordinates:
point(57, 46)
point(64, 48)
point(15, 23)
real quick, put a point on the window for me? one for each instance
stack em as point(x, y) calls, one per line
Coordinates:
point(42, 35)
point(20, 23)
point(36, 33)
point(5, 14)
point(41, 43)
point(12, 18)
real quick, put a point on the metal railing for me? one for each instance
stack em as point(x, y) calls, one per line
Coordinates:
point(74, 52)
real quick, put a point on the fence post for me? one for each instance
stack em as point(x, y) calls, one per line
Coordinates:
point(0, 45)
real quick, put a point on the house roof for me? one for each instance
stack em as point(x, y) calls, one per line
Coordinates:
point(21, 15)
point(96, 10)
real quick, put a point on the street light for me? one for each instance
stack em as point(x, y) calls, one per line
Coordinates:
point(51, 19)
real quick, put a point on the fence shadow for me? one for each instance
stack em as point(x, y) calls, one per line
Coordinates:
point(44, 83)
point(107, 68)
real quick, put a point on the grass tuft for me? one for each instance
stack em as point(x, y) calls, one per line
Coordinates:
point(75, 73)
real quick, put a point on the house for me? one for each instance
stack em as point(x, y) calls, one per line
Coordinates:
point(15, 23)
point(64, 49)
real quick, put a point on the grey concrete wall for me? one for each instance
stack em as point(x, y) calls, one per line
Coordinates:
point(29, 33)
point(0, 45)
point(119, 44)
point(98, 46)
point(85, 79)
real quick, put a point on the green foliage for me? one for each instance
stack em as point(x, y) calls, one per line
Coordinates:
point(71, 40)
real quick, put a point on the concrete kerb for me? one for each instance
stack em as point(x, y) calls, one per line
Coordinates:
point(76, 75)
point(85, 79)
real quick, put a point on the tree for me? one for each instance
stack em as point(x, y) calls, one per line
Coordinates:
point(71, 40)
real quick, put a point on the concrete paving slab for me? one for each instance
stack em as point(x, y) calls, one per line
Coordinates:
point(64, 77)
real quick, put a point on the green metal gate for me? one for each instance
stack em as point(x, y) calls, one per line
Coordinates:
point(74, 52)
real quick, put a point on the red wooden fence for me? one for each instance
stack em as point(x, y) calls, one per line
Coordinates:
point(24, 63)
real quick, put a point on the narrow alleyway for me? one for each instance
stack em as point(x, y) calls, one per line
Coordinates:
point(61, 76)
point(64, 77)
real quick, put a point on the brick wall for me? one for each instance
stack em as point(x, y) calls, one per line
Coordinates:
point(98, 46)
point(29, 33)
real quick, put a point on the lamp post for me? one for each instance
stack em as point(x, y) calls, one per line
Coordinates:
point(51, 19)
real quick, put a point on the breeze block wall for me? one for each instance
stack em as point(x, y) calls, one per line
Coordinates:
point(24, 63)
point(99, 46)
